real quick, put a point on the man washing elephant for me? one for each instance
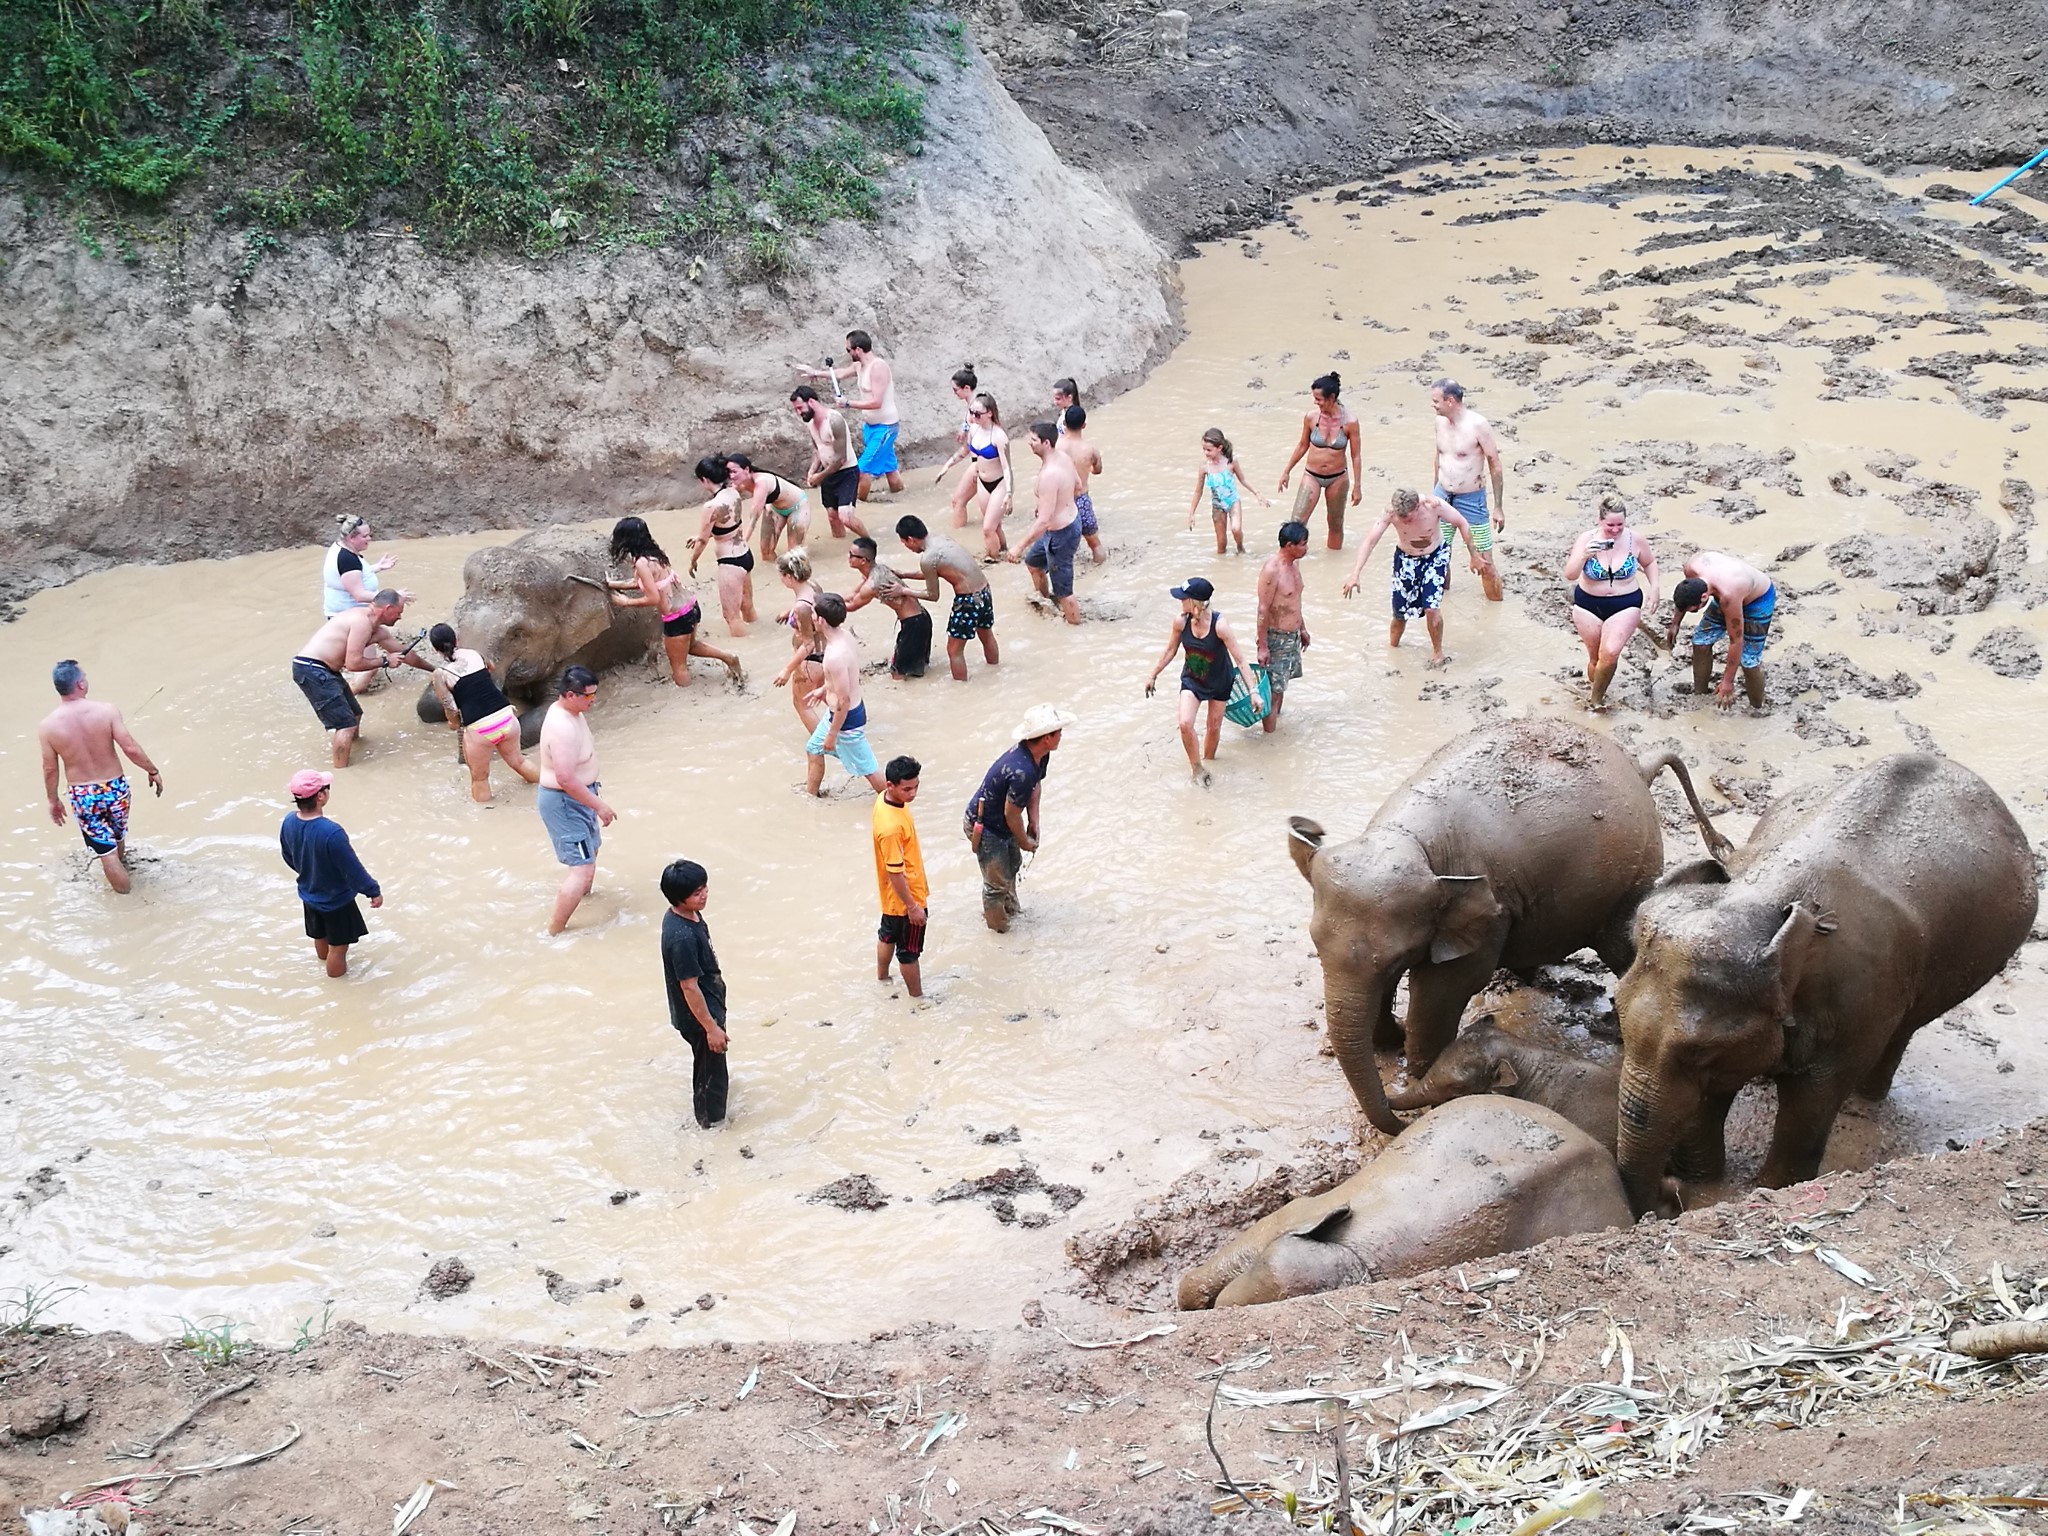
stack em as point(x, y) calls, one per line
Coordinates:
point(354, 640)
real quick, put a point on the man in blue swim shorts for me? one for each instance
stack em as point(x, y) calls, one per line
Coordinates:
point(1466, 446)
point(842, 728)
point(874, 396)
point(1725, 585)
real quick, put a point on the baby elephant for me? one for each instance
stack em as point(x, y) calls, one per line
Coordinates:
point(1487, 1059)
point(1476, 1177)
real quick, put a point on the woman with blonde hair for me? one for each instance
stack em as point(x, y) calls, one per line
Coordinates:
point(987, 450)
point(1613, 572)
point(805, 670)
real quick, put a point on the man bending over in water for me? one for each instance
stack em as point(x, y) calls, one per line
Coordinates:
point(354, 640)
point(87, 739)
point(973, 616)
point(1283, 633)
point(1465, 444)
point(1726, 585)
point(879, 584)
point(842, 730)
point(1422, 563)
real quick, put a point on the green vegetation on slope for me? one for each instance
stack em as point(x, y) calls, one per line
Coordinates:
point(506, 123)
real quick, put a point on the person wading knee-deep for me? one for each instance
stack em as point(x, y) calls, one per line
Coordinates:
point(899, 873)
point(1002, 819)
point(86, 739)
point(567, 799)
point(695, 986)
point(330, 875)
point(1210, 663)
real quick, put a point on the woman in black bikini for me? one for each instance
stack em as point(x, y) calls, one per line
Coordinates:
point(1327, 433)
point(654, 584)
point(477, 707)
point(805, 672)
point(988, 475)
point(1614, 575)
point(724, 530)
point(1210, 663)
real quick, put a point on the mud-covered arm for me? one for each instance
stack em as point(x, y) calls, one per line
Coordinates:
point(1489, 444)
point(1353, 434)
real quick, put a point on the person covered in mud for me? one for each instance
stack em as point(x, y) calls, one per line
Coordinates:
point(330, 876)
point(724, 530)
point(842, 728)
point(695, 987)
point(775, 504)
point(1465, 447)
point(570, 808)
point(988, 475)
point(899, 873)
point(1328, 434)
point(1283, 632)
point(354, 640)
point(1223, 477)
point(1210, 663)
point(655, 584)
point(1087, 461)
point(880, 584)
point(803, 672)
point(874, 396)
point(475, 705)
point(87, 740)
point(1054, 537)
point(1725, 585)
point(973, 614)
point(346, 581)
point(1422, 563)
point(1613, 572)
point(1001, 821)
point(832, 469)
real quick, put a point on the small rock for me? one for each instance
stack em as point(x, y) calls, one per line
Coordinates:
point(636, 1301)
point(1000, 1138)
point(2006, 1066)
point(450, 1277)
point(1034, 1313)
point(706, 1302)
point(325, 1229)
point(621, 1196)
point(1942, 192)
point(41, 1417)
point(746, 1151)
point(567, 1291)
point(855, 1192)
point(2009, 651)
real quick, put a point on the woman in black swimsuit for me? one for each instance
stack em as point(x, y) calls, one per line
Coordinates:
point(477, 707)
point(724, 530)
point(1611, 568)
point(1211, 663)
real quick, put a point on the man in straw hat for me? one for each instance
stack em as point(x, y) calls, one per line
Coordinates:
point(1002, 818)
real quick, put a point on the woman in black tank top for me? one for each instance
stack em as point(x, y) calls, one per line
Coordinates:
point(1210, 664)
point(476, 706)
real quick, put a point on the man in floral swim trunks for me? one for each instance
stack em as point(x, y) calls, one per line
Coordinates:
point(88, 740)
point(1422, 563)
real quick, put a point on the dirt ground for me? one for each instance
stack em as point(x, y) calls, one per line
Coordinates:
point(934, 1430)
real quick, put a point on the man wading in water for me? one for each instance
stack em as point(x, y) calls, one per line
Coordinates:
point(1002, 819)
point(1725, 585)
point(874, 396)
point(842, 730)
point(567, 799)
point(358, 640)
point(832, 471)
point(1422, 563)
point(1464, 445)
point(695, 987)
point(1054, 537)
point(973, 615)
point(88, 740)
point(1283, 633)
point(879, 584)
point(1084, 456)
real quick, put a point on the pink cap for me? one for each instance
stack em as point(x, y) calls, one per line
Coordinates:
point(307, 783)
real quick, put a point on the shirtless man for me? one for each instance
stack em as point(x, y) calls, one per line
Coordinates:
point(880, 584)
point(832, 470)
point(1087, 462)
point(567, 799)
point(874, 396)
point(354, 640)
point(88, 740)
point(1422, 563)
point(1283, 633)
point(1465, 444)
point(1054, 534)
point(973, 615)
point(842, 728)
point(1725, 585)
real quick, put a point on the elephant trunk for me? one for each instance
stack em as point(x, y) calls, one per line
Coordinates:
point(1353, 1010)
point(1653, 1110)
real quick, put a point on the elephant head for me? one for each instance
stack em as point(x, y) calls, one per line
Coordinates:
point(1472, 1063)
point(526, 615)
point(1705, 1009)
point(1379, 909)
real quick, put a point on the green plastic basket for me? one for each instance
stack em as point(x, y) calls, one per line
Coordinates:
point(1239, 710)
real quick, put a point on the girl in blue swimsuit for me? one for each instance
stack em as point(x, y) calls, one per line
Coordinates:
point(1221, 478)
point(1611, 568)
point(986, 448)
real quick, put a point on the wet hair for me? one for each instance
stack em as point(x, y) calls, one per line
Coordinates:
point(830, 607)
point(682, 880)
point(1405, 501)
point(795, 564)
point(1045, 432)
point(1215, 436)
point(1294, 532)
point(865, 547)
point(712, 467)
point(442, 638)
point(1328, 385)
point(988, 403)
point(804, 392)
point(964, 377)
point(1450, 389)
point(1074, 417)
point(387, 597)
point(908, 527)
point(349, 524)
point(740, 461)
point(902, 769)
point(66, 676)
point(1611, 503)
point(576, 679)
point(1688, 594)
point(1068, 388)
point(632, 541)
point(860, 339)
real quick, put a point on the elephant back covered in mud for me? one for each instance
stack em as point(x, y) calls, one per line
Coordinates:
point(1476, 1177)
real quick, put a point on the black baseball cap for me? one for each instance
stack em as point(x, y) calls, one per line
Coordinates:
point(1196, 587)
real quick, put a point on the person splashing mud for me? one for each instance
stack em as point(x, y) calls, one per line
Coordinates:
point(1327, 433)
point(1466, 445)
point(1210, 662)
point(1422, 563)
point(87, 739)
point(1611, 567)
point(655, 584)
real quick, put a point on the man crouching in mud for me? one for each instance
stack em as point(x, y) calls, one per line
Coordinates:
point(1725, 585)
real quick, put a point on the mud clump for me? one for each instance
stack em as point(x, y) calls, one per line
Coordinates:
point(568, 1291)
point(855, 1192)
point(1003, 1188)
point(449, 1277)
point(39, 1418)
point(2009, 651)
point(1952, 574)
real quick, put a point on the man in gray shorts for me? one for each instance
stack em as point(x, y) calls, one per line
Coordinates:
point(567, 799)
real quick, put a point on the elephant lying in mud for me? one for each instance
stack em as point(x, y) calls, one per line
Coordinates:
point(1856, 912)
point(534, 606)
point(1488, 1059)
point(1514, 845)
point(1479, 1176)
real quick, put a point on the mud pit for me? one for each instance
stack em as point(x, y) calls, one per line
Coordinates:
point(1792, 362)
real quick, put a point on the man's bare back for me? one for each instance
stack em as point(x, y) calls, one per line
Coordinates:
point(1083, 456)
point(1727, 574)
point(81, 732)
point(340, 642)
point(942, 557)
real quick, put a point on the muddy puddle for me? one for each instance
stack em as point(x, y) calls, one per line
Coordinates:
point(1831, 376)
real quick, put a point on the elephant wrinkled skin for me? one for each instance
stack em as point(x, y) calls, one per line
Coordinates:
point(1488, 1059)
point(1477, 1177)
point(1856, 912)
point(1514, 845)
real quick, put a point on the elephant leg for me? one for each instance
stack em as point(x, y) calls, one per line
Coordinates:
point(1701, 1155)
point(1437, 995)
point(1807, 1106)
point(1614, 941)
point(1386, 1030)
point(1878, 1081)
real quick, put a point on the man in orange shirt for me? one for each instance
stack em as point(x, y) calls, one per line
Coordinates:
point(899, 873)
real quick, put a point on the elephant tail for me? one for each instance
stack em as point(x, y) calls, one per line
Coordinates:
point(1654, 763)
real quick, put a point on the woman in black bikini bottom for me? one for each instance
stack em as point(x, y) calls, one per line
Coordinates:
point(1611, 566)
point(724, 531)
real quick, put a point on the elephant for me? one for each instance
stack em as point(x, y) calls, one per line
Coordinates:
point(1856, 912)
point(1476, 1177)
point(1487, 1059)
point(536, 605)
point(1513, 845)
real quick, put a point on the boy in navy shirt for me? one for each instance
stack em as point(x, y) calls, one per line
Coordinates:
point(330, 874)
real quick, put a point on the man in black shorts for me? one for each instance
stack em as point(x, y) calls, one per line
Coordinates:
point(880, 584)
point(833, 470)
point(330, 875)
point(354, 640)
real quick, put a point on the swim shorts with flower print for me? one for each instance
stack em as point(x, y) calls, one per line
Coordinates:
point(101, 811)
point(1420, 581)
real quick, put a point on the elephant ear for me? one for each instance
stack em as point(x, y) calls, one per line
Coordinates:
point(1791, 948)
point(1304, 839)
point(1698, 872)
point(1327, 1228)
point(1466, 917)
point(1505, 1076)
point(586, 613)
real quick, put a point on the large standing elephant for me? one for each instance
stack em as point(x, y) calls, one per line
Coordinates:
point(1477, 1177)
point(1514, 845)
point(534, 606)
point(1856, 912)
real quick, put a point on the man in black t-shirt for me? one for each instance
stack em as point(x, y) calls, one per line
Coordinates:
point(1002, 818)
point(696, 987)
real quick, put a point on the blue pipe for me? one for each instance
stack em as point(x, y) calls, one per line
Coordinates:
point(2015, 176)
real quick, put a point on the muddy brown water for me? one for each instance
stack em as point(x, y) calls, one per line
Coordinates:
point(262, 1140)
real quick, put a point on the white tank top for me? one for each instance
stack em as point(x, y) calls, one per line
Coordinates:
point(334, 597)
point(883, 415)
